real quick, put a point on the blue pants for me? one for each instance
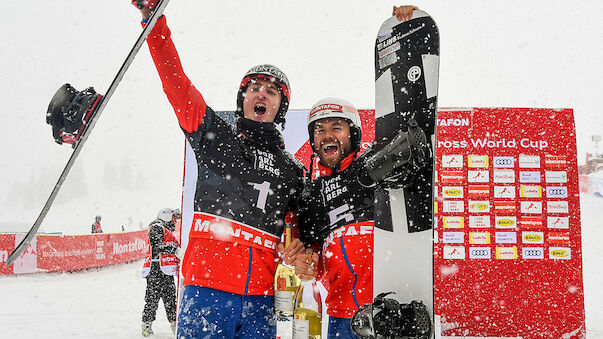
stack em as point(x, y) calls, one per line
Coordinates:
point(340, 328)
point(210, 313)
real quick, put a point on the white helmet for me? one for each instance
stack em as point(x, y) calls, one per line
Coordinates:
point(336, 108)
point(167, 213)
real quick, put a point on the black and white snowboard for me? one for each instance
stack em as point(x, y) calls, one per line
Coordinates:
point(406, 88)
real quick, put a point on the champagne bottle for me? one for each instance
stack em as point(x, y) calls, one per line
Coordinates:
point(285, 283)
point(307, 311)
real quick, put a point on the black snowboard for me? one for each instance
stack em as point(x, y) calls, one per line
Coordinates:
point(406, 87)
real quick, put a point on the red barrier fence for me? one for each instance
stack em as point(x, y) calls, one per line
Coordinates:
point(53, 253)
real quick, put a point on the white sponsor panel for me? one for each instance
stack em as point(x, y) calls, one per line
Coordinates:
point(479, 206)
point(504, 192)
point(480, 238)
point(532, 252)
point(557, 222)
point(478, 176)
point(505, 237)
point(477, 161)
point(452, 191)
point(479, 221)
point(453, 237)
point(505, 221)
point(452, 161)
point(504, 176)
point(529, 161)
point(504, 162)
point(556, 192)
point(564, 253)
point(480, 253)
point(454, 206)
point(531, 207)
point(530, 191)
point(529, 177)
point(555, 177)
point(454, 252)
point(532, 237)
point(557, 207)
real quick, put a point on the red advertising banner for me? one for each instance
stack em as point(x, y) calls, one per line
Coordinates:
point(508, 253)
point(65, 253)
point(7, 245)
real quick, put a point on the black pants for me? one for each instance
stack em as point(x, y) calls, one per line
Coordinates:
point(159, 286)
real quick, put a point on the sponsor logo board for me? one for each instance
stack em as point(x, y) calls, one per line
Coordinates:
point(532, 253)
point(531, 191)
point(555, 161)
point(556, 192)
point(452, 177)
point(453, 222)
point(532, 237)
point(454, 252)
point(479, 221)
point(504, 192)
point(504, 162)
point(506, 253)
point(529, 161)
point(564, 253)
point(505, 237)
point(555, 177)
point(452, 161)
point(454, 206)
point(452, 191)
point(531, 207)
point(479, 206)
point(479, 253)
point(478, 191)
point(453, 237)
point(531, 177)
point(477, 161)
point(504, 176)
point(559, 238)
point(557, 222)
point(504, 207)
point(505, 222)
point(478, 176)
point(530, 221)
point(557, 207)
point(481, 238)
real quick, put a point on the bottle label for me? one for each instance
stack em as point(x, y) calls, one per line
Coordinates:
point(301, 329)
point(283, 301)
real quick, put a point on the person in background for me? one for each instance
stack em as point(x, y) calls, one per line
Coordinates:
point(96, 227)
point(160, 267)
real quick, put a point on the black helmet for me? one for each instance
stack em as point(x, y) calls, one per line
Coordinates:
point(273, 74)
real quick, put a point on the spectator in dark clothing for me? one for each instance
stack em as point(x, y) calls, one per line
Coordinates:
point(96, 227)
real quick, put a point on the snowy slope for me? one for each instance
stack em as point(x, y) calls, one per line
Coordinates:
point(494, 53)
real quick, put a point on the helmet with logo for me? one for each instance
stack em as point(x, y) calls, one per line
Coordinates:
point(167, 213)
point(274, 74)
point(336, 108)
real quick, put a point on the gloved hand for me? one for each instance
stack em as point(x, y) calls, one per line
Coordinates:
point(179, 253)
point(140, 4)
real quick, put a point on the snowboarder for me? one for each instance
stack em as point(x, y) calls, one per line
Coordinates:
point(160, 266)
point(336, 208)
point(246, 185)
point(96, 226)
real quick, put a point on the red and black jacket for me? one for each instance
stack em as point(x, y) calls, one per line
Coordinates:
point(336, 212)
point(245, 187)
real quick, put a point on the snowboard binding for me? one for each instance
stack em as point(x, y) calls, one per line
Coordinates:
point(396, 164)
point(69, 112)
point(386, 318)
